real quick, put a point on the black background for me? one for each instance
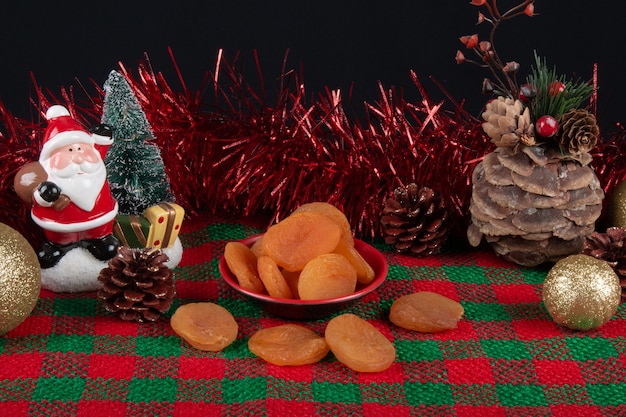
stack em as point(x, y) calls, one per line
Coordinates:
point(339, 44)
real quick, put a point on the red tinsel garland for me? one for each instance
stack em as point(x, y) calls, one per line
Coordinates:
point(247, 156)
point(18, 146)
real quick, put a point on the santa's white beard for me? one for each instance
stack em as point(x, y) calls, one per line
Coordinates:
point(81, 185)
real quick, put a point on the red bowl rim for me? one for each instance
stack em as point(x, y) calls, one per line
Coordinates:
point(374, 257)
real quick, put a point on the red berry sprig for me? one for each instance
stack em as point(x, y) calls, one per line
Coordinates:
point(555, 88)
point(527, 92)
point(546, 126)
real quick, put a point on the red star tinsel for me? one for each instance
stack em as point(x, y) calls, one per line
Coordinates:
point(247, 155)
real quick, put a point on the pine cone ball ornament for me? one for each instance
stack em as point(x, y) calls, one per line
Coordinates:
point(137, 285)
point(415, 221)
point(578, 132)
point(610, 247)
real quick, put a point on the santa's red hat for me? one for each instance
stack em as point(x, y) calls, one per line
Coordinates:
point(62, 130)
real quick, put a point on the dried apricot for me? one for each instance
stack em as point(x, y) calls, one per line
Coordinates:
point(333, 213)
point(288, 345)
point(426, 311)
point(358, 344)
point(327, 276)
point(364, 272)
point(300, 237)
point(257, 247)
point(272, 278)
point(243, 264)
point(292, 278)
point(205, 326)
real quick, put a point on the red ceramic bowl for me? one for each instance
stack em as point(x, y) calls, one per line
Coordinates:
point(312, 309)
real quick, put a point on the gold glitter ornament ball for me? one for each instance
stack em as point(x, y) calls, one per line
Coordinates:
point(617, 206)
point(20, 278)
point(581, 292)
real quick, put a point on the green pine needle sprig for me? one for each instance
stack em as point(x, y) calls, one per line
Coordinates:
point(576, 91)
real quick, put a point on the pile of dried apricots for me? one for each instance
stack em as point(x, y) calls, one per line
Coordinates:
point(310, 255)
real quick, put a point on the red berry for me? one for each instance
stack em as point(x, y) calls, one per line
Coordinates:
point(555, 88)
point(546, 126)
point(527, 92)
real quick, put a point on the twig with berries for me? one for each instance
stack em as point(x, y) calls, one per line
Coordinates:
point(504, 73)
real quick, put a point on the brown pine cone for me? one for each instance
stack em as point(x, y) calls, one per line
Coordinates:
point(415, 221)
point(610, 247)
point(137, 285)
point(508, 123)
point(578, 131)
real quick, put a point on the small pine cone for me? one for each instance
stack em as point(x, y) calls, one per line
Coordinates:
point(508, 123)
point(415, 221)
point(610, 247)
point(578, 131)
point(137, 285)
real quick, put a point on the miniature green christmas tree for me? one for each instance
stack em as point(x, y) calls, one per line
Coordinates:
point(135, 169)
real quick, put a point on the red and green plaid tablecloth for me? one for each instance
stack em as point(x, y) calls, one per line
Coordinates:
point(507, 357)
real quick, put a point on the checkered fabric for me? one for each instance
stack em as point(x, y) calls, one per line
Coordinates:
point(507, 357)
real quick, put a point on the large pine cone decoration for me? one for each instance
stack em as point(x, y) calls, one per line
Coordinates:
point(535, 201)
point(415, 221)
point(137, 285)
point(533, 206)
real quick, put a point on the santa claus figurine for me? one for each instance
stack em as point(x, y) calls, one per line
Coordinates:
point(68, 190)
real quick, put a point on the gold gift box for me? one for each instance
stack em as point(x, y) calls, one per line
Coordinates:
point(166, 220)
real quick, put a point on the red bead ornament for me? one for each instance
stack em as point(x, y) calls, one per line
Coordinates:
point(546, 126)
point(527, 92)
point(555, 88)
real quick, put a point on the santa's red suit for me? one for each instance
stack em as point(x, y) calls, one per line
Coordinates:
point(73, 223)
point(78, 220)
